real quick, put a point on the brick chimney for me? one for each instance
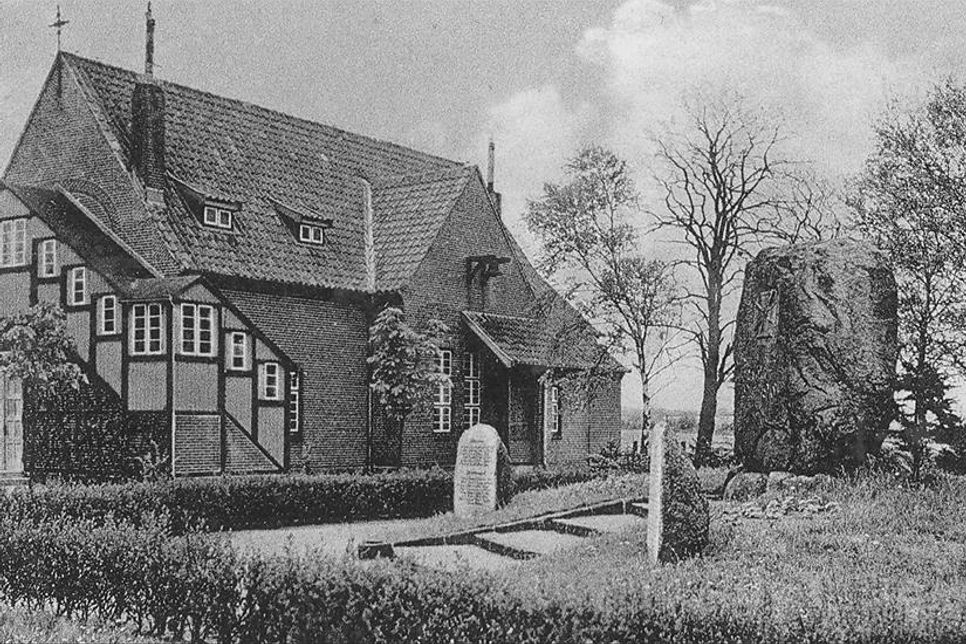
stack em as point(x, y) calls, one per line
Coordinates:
point(495, 197)
point(147, 123)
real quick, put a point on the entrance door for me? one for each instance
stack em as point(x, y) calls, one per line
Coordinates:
point(11, 397)
point(524, 445)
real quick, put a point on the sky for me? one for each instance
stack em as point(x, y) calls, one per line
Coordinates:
point(540, 77)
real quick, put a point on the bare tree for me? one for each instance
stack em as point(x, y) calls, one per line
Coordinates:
point(589, 241)
point(726, 191)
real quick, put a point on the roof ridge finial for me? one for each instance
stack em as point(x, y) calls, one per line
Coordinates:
point(490, 164)
point(59, 25)
point(149, 42)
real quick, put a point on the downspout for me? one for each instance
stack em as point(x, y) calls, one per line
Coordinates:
point(174, 372)
point(370, 257)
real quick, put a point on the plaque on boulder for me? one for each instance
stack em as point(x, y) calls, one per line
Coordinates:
point(481, 479)
point(815, 355)
point(678, 514)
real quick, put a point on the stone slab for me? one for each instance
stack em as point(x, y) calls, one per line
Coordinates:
point(606, 522)
point(539, 541)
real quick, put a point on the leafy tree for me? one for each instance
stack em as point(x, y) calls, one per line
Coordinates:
point(35, 347)
point(588, 239)
point(726, 192)
point(911, 202)
point(402, 363)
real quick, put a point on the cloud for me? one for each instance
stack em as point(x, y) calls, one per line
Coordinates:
point(534, 131)
point(651, 53)
point(828, 94)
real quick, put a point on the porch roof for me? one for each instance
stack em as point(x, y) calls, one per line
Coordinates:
point(537, 342)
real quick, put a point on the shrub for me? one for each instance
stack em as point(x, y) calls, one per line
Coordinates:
point(252, 502)
point(243, 502)
point(871, 575)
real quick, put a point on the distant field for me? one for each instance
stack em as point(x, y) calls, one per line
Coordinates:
point(723, 435)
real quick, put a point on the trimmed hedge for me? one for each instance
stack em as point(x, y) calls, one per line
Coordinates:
point(195, 587)
point(252, 502)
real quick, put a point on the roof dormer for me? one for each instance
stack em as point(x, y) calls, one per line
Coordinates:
point(211, 208)
point(306, 227)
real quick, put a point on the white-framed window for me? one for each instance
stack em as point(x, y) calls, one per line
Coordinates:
point(197, 330)
point(11, 424)
point(217, 217)
point(471, 389)
point(270, 381)
point(552, 418)
point(443, 400)
point(13, 242)
point(107, 315)
point(238, 351)
point(312, 234)
point(47, 264)
point(294, 402)
point(147, 329)
point(77, 286)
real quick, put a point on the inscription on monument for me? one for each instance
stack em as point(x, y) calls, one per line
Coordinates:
point(474, 481)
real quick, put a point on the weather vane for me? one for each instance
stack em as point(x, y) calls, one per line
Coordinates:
point(59, 24)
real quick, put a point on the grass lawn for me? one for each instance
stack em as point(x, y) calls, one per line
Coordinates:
point(332, 539)
point(890, 565)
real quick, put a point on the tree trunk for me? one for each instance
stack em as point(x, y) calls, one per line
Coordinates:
point(709, 396)
point(645, 410)
point(916, 440)
point(706, 420)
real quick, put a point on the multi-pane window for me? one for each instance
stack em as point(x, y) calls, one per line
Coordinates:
point(269, 381)
point(13, 242)
point(77, 286)
point(238, 351)
point(294, 402)
point(312, 234)
point(147, 329)
point(442, 402)
point(471, 389)
point(217, 217)
point(11, 424)
point(197, 330)
point(47, 264)
point(552, 418)
point(107, 315)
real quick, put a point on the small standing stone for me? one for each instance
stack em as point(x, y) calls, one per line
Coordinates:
point(678, 515)
point(482, 477)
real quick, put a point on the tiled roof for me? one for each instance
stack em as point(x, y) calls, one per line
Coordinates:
point(409, 212)
point(159, 288)
point(83, 234)
point(252, 155)
point(543, 342)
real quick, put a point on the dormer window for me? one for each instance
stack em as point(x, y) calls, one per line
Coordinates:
point(218, 217)
point(210, 207)
point(312, 234)
point(305, 225)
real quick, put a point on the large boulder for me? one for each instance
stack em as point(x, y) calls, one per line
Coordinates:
point(815, 355)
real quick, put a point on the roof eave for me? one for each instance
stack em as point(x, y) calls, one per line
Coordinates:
point(491, 344)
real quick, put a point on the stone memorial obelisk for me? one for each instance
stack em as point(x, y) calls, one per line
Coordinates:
point(655, 479)
point(678, 516)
